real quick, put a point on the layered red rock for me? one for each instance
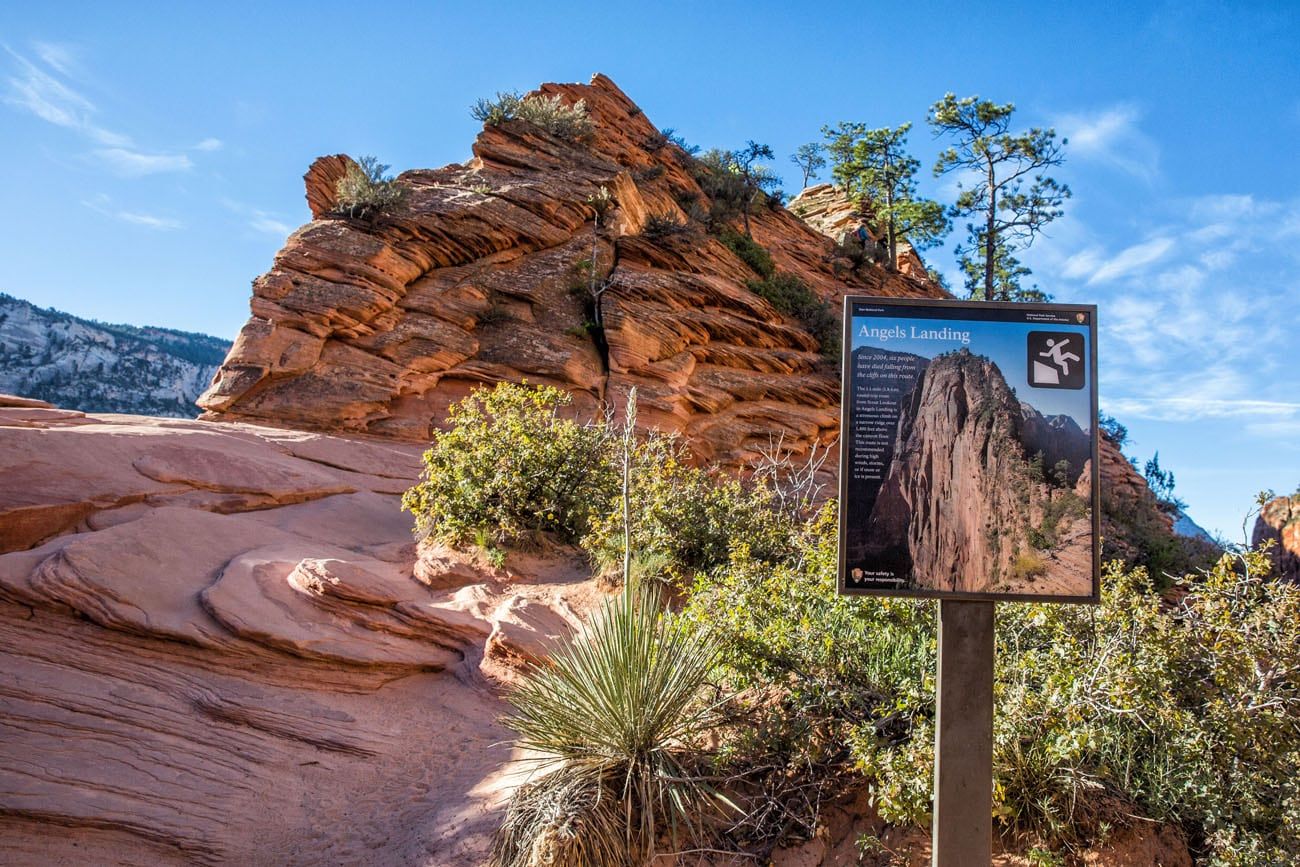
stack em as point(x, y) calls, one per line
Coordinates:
point(832, 212)
point(1279, 523)
point(377, 327)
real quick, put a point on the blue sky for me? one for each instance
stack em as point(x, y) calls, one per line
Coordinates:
point(151, 157)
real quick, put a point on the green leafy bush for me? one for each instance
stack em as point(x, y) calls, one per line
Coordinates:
point(790, 295)
point(750, 251)
point(812, 673)
point(549, 113)
point(365, 189)
point(688, 517)
point(509, 466)
point(618, 718)
point(1139, 708)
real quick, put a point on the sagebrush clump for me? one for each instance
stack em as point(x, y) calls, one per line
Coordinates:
point(686, 517)
point(365, 189)
point(549, 113)
point(511, 467)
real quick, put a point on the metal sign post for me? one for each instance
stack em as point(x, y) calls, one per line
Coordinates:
point(962, 834)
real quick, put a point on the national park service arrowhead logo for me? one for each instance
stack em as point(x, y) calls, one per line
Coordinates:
point(1056, 359)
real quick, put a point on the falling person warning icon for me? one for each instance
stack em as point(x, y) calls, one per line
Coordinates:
point(1055, 359)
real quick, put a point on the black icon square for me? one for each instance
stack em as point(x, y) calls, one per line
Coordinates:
point(1056, 359)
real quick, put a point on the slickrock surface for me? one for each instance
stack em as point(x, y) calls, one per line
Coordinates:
point(1279, 521)
point(377, 327)
point(218, 646)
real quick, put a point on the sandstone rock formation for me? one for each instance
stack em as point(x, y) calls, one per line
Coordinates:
point(832, 213)
point(1279, 522)
point(378, 327)
point(219, 647)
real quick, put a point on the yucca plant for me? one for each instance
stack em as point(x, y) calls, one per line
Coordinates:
point(616, 720)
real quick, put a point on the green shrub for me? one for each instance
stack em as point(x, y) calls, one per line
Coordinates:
point(510, 466)
point(1064, 505)
point(365, 189)
point(660, 227)
point(790, 295)
point(618, 718)
point(812, 672)
point(1027, 566)
point(548, 113)
point(1190, 714)
point(718, 176)
point(686, 516)
point(1186, 713)
point(750, 251)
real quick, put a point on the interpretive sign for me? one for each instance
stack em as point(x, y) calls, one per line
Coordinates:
point(968, 458)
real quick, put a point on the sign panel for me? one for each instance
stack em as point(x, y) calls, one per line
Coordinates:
point(968, 450)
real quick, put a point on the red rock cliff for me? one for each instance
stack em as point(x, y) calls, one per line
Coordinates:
point(377, 327)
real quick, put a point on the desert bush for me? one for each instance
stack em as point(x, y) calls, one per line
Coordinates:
point(749, 251)
point(508, 466)
point(548, 113)
point(1138, 709)
point(668, 135)
point(365, 189)
point(811, 672)
point(716, 172)
point(789, 294)
point(618, 718)
point(1064, 505)
point(660, 227)
point(687, 516)
point(1027, 566)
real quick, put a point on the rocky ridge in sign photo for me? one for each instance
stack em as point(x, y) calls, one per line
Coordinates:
point(971, 495)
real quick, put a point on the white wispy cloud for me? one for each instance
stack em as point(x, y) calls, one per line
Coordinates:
point(102, 204)
point(59, 56)
point(1197, 408)
point(42, 88)
point(1130, 260)
point(1197, 315)
point(134, 164)
point(1111, 136)
point(34, 90)
point(257, 219)
point(269, 225)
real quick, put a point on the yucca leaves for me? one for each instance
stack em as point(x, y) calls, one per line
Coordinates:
point(615, 719)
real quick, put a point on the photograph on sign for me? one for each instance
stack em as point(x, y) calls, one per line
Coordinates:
point(968, 452)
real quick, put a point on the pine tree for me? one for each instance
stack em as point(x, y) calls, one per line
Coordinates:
point(756, 178)
point(874, 167)
point(809, 159)
point(1011, 201)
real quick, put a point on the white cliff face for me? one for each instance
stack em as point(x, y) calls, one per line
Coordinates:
point(97, 367)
